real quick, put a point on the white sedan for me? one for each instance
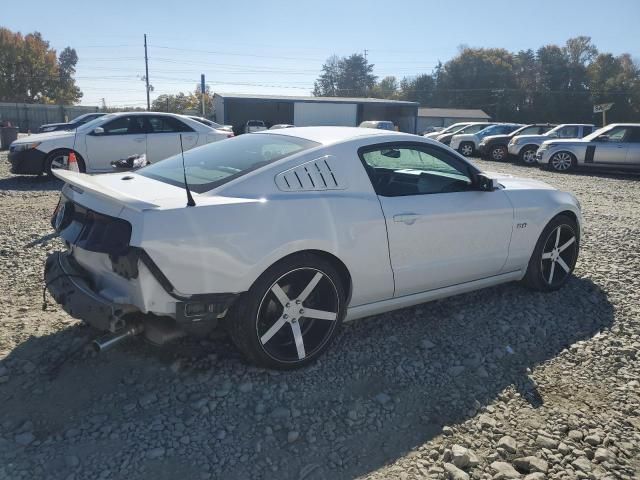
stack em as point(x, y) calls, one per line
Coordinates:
point(284, 234)
point(110, 138)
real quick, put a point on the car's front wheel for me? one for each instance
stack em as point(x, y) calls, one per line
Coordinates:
point(466, 149)
point(499, 153)
point(59, 159)
point(290, 314)
point(555, 255)
point(562, 161)
point(528, 155)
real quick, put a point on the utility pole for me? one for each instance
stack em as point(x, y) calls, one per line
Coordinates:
point(146, 71)
point(202, 90)
point(365, 54)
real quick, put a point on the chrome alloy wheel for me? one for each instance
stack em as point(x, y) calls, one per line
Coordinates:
point(558, 255)
point(60, 161)
point(466, 149)
point(297, 315)
point(561, 161)
point(499, 153)
point(529, 156)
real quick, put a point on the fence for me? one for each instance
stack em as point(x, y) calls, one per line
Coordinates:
point(29, 116)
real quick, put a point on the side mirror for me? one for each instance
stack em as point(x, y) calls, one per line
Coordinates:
point(484, 183)
point(98, 131)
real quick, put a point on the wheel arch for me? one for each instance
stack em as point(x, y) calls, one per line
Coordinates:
point(339, 265)
point(79, 157)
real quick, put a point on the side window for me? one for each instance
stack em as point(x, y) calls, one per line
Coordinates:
point(167, 125)
point(634, 135)
point(586, 130)
point(530, 131)
point(124, 126)
point(397, 170)
point(618, 134)
point(569, 132)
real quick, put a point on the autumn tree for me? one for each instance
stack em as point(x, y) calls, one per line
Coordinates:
point(31, 72)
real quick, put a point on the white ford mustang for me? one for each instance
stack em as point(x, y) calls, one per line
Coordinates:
point(284, 234)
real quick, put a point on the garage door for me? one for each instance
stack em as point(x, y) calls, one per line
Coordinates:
point(313, 114)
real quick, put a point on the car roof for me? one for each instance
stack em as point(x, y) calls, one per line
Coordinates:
point(329, 135)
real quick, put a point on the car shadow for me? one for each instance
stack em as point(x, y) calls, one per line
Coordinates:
point(29, 183)
point(388, 384)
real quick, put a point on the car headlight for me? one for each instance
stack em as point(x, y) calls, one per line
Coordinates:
point(21, 147)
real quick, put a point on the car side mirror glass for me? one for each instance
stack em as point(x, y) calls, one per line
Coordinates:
point(484, 183)
point(98, 131)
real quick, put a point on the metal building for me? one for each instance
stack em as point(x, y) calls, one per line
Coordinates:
point(237, 109)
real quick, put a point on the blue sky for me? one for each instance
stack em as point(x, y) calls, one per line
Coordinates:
point(278, 46)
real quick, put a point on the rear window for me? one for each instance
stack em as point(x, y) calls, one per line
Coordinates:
point(215, 164)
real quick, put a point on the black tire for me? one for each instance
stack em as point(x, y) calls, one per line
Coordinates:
point(466, 149)
point(50, 160)
point(498, 153)
point(265, 333)
point(548, 274)
point(527, 154)
point(562, 162)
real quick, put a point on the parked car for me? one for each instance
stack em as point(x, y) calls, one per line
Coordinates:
point(417, 223)
point(450, 129)
point(254, 126)
point(110, 137)
point(429, 130)
point(467, 143)
point(474, 127)
point(616, 146)
point(73, 124)
point(280, 125)
point(380, 124)
point(524, 147)
point(496, 147)
point(211, 123)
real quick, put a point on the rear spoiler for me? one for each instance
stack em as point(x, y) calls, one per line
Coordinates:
point(81, 182)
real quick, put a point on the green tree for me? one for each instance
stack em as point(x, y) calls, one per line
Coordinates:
point(327, 83)
point(350, 76)
point(418, 89)
point(30, 71)
point(386, 88)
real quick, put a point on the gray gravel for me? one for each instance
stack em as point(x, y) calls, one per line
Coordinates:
point(502, 383)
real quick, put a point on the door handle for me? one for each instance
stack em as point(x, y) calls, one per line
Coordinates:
point(139, 139)
point(407, 218)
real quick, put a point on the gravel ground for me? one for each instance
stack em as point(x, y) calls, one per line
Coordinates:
point(502, 383)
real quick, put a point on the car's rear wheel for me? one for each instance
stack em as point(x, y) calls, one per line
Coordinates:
point(466, 149)
point(59, 159)
point(528, 155)
point(562, 161)
point(499, 153)
point(555, 255)
point(290, 314)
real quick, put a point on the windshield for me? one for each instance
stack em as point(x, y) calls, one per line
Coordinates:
point(217, 163)
point(598, 132)
point(490, 130)
point(454, 128)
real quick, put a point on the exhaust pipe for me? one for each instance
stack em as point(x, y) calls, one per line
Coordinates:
point(109, 341)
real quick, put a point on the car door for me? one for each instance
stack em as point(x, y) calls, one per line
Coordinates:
point(633, 152)
point(119, 138)
point(163, 137)
point(612, 147)
point(441, 230)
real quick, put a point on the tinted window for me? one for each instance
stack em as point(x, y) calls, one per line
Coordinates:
point(217, 163)
point(586, 131)
point(167, 125)
point(570, 131)
point(396, 170)
point(124, 125)
point(634, 135)
point(529, 131)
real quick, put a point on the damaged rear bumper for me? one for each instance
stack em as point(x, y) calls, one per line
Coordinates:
point(72, 288)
